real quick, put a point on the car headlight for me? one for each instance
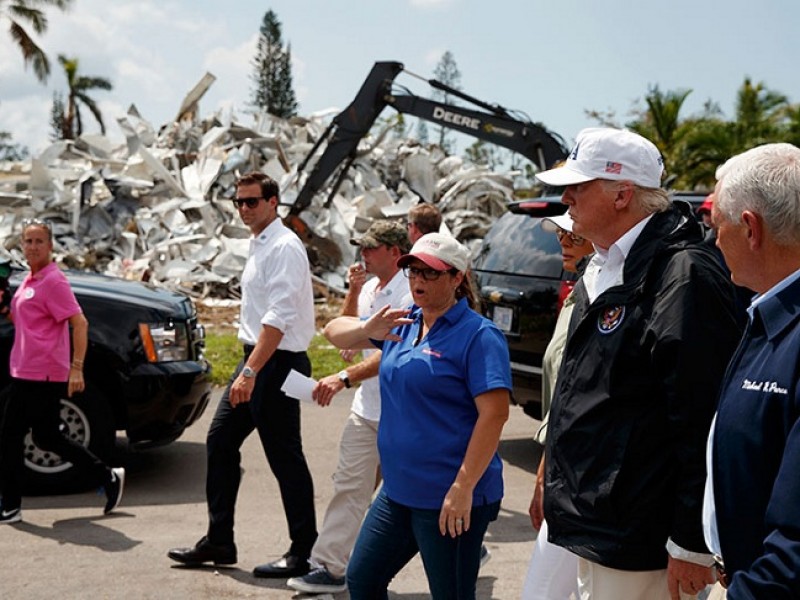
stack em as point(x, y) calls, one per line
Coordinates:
point(164, 342)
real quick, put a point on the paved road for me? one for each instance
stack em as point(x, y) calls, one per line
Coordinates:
point(65, 548)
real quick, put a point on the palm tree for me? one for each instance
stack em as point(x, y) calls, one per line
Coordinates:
point(759, 112)
point(79, 88)
point(30, 11)
point(761, 116)
point(708, 142)
point(660, 123)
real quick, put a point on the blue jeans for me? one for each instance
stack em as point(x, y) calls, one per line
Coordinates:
point(393, 533)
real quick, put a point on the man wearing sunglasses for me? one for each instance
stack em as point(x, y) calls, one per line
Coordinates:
point(652, 329)
point(276, 326)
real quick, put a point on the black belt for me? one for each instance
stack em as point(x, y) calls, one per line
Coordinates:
point(248, 350)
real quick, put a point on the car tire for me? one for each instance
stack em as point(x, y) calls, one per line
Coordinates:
point(85, 418)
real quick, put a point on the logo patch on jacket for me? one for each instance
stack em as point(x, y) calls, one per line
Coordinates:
point(610, 319)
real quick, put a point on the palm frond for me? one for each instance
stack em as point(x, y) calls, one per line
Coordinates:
point(31, 53)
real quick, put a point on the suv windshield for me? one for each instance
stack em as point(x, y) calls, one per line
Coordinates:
point(518, 245)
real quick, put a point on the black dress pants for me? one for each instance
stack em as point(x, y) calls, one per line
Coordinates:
point(276, 417)
point(37, 405)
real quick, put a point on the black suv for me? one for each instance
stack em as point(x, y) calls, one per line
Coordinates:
point(144, 370)
point(522, 285)
point(520, 280)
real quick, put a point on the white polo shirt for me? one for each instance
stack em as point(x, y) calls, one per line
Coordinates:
point(367, 401)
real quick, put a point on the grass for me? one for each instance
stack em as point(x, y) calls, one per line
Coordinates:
point(224, 351)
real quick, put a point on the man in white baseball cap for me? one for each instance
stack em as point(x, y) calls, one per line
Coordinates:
point(652, 329)
point(613, 154)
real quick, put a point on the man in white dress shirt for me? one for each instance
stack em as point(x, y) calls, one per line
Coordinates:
point(276, 326)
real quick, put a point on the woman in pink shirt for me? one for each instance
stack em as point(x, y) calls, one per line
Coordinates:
point(43, 309)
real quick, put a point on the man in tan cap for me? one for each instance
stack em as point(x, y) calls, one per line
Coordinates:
point(357, 472)
point(651, 333)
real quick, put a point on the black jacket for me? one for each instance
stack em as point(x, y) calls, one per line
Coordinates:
point(636, 392)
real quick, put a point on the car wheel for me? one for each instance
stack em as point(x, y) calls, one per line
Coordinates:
point(85, 419)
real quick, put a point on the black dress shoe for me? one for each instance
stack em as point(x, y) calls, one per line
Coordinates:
point(287, 566)
point(204, 552)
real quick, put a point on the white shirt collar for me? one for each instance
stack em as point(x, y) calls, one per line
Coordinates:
point(605, 269)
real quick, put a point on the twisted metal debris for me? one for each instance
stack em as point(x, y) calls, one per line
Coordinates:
point(155, 209)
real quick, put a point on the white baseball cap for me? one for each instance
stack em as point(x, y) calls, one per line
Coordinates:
point(551, 224)
point(439, 251)
point(607, 153)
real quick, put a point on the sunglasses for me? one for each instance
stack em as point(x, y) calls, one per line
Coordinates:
point(426, 274)
point(250, 202)
point(36, 222)
point(575, 239)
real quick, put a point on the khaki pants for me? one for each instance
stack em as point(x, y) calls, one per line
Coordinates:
point(596, 582)
point(353, 484)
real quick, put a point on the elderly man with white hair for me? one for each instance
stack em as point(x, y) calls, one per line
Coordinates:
point(650, 335)
point(751, 510)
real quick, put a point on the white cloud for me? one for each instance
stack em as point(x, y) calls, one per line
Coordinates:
point(231, 66)
point(149, 82)
point(28, 118)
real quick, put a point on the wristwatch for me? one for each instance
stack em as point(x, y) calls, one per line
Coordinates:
point(248, 372)
point(344, 378)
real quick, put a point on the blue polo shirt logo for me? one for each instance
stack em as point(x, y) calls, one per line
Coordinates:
point(610, 319)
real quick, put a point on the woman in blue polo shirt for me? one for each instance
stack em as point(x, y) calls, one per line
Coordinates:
point(445, 381)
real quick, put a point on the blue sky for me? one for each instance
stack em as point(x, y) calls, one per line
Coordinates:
point(551, 60)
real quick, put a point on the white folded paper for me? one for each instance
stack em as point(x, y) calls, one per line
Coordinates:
point(298, 386)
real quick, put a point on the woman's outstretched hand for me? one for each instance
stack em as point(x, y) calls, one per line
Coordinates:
point(380, 325)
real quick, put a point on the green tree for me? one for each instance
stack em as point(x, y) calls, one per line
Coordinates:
point(660, 123)
point(694, 146)
point(792, 115)
point(10, 150)
point(399, 128)
point(422, 132)
point(78, 89)
point(446, 72)
point(272, 71)
point(708, 142)
point(761, 116)
point(57, 117)
point(759, 113)
point(30, 12)
point(484, 154)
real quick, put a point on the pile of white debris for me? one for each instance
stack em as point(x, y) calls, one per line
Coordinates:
point(156, 208)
